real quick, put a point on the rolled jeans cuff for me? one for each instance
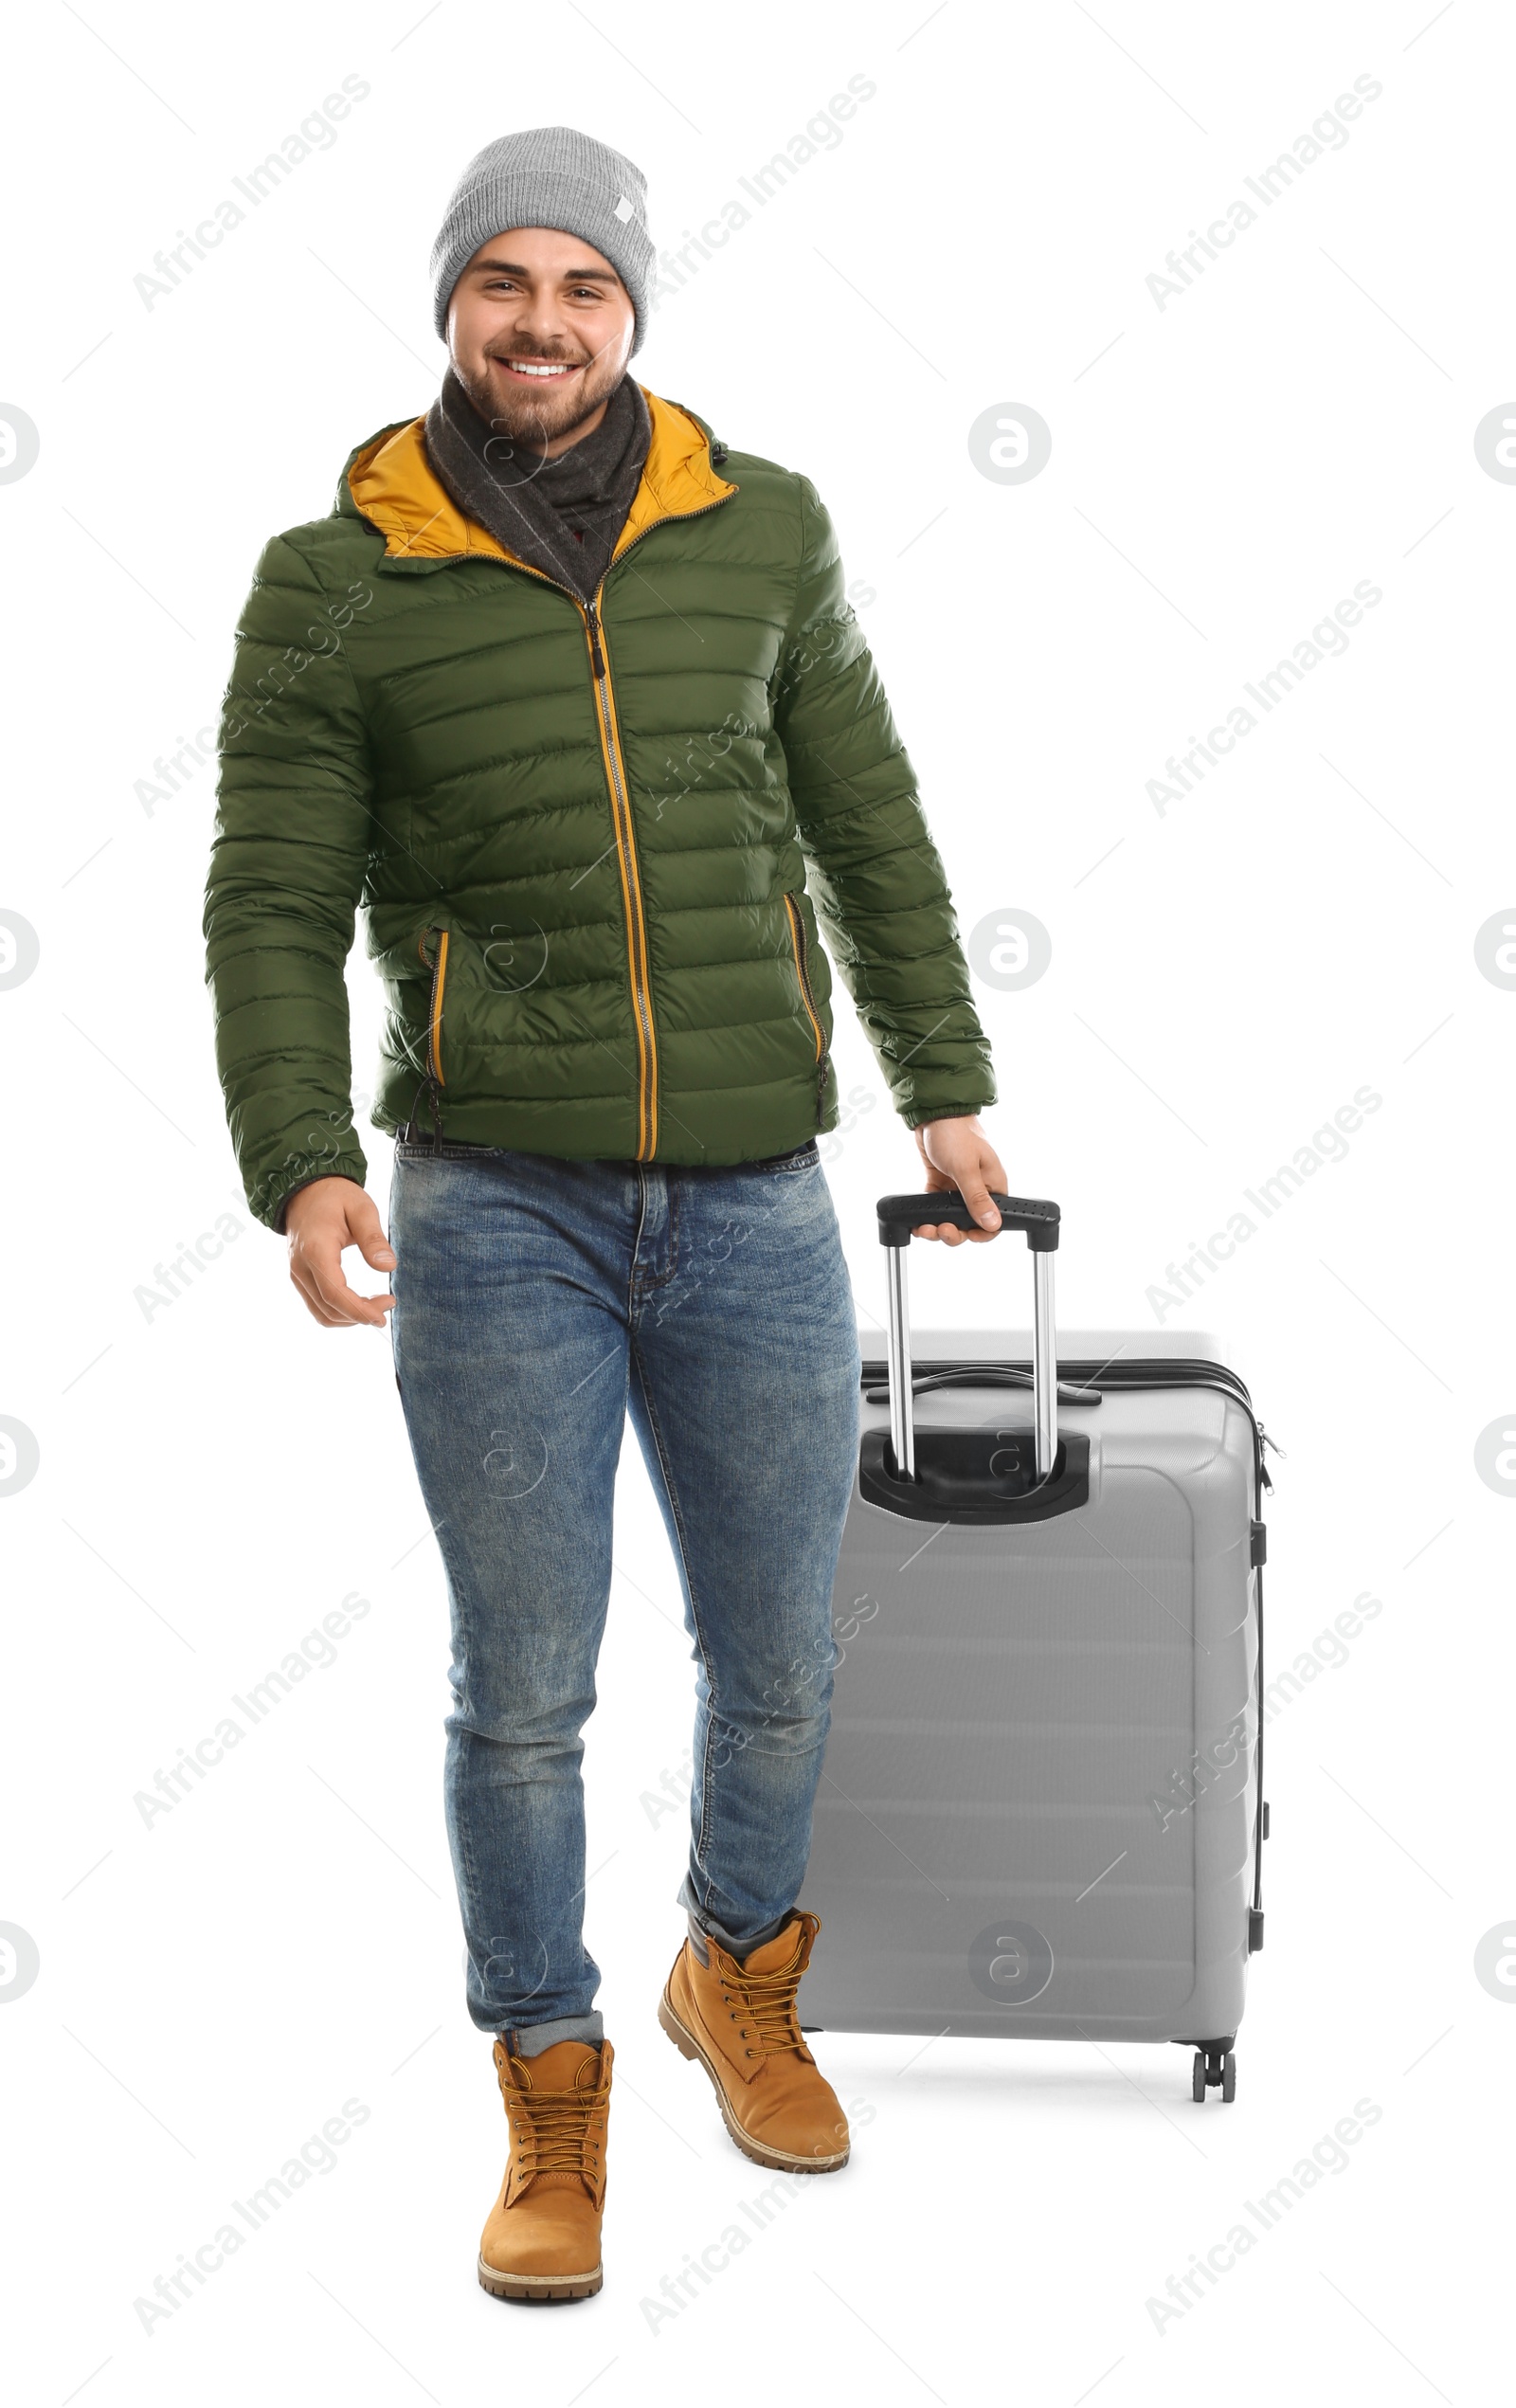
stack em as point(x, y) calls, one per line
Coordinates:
point(703, 1927)
point(530, 2039)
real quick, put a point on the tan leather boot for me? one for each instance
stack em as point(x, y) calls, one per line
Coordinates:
point(542, 2240)
point(739, 2020)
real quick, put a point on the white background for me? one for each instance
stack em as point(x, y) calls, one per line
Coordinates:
point(215, 1478)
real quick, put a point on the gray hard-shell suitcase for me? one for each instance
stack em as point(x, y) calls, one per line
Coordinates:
point(1041, 1811)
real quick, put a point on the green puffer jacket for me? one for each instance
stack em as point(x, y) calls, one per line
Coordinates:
point(591, 844)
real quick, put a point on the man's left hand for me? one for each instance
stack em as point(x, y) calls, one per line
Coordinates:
point(957, 1155)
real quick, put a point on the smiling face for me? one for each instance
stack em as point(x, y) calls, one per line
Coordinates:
point(540, 329)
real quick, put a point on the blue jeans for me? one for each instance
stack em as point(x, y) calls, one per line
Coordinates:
point(536, 1301)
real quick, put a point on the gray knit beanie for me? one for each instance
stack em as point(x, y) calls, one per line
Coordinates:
point(549, 177)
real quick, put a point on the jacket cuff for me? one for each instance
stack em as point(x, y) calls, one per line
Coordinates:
point(918, 1116)
point(268, 1198)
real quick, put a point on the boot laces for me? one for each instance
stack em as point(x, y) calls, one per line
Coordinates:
point(552, 2130)
point(768, 2007)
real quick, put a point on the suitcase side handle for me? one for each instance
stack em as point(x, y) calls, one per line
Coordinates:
point(900, 1215)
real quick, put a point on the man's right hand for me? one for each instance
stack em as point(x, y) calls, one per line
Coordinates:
point(321, 1219)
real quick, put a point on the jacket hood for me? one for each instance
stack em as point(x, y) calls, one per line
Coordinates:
point(391, 481)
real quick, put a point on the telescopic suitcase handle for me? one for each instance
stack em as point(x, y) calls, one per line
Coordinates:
point(900, 1215)
point(1040, 1220)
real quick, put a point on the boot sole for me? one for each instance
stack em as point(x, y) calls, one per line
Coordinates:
point(545, 2290)
point(780, 2159)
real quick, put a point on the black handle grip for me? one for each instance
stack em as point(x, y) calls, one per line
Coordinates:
point(900, 1215)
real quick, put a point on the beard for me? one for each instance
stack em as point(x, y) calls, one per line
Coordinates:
point(520, 415)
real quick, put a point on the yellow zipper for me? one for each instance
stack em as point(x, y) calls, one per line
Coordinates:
point(610, 745)
point(631, 882)
point(434, 1012)
point(797, 937)
point(621, 812)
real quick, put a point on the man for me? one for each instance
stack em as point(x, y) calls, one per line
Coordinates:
point(570, 698)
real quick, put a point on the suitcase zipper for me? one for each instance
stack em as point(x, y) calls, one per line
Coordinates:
point(1167, 1371)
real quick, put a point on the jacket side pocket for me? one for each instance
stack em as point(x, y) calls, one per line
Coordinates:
point(797, 938)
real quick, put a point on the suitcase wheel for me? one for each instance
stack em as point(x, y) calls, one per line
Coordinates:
point(1215, 2068)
